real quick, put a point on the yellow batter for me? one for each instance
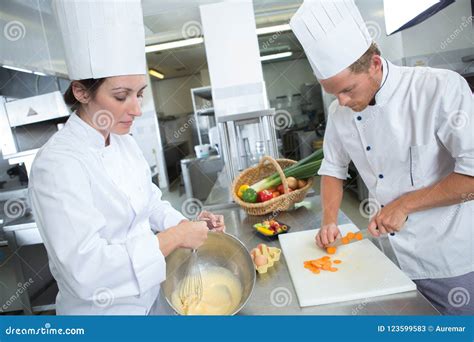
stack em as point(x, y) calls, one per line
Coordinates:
point(221, 294)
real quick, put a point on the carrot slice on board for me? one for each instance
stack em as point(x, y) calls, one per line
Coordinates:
point(333, 269)
point(350, 235)
point(345, 240)
point(359, 236)
point(337, 261)
point(331, 250)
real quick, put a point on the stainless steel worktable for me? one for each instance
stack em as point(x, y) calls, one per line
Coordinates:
point(307, 215)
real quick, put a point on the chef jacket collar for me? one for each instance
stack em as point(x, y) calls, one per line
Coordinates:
point(89, 134)
point(390, 78)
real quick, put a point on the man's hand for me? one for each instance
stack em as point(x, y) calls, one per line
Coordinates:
point(389, 219)
point(214, 222)
point(327, 234)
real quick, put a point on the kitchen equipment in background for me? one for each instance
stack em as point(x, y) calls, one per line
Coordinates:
point(202, 151)
point(27, 124)
point(214, 252)
point(203, 112)
point(200, 175)
point(232, 130)
point(214, 139)
point(365, 271)
point(239, 95)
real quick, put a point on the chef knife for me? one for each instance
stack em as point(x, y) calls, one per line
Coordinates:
point(338, 241)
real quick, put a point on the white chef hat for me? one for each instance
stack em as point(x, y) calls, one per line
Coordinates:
point(102, 38)
point(332, 33)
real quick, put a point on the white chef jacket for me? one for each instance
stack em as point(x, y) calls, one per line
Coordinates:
point(98, 211)
point(420, 130)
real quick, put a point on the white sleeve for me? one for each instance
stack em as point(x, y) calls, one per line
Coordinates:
point(456, 123)
point(336, 159)
point(70, 225)
point(163, 215)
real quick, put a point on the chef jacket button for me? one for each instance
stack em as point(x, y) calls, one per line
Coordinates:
point(368, 148)
point(381, 205)
point(381, 176)
point(359, 118)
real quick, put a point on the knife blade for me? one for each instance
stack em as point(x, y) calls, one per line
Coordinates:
point(338, 241)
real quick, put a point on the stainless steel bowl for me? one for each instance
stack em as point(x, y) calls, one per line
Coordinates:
point(220, 249)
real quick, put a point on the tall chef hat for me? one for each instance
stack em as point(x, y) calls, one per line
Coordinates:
point(102, 38)
point(332, 33)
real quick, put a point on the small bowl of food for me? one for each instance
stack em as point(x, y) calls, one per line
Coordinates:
point(271, 228)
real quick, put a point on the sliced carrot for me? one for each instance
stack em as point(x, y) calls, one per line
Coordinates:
point(316, 271)
point(350, 235)
point(331, 250)
point(326, 267)
point(359, 236)
point(326, 257)
point(345, 240)
point(337, 261)
point(333, 269)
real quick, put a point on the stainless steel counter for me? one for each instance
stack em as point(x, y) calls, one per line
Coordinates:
point(307, 215)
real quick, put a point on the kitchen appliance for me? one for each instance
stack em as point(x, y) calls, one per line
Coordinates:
point(365, 271)
point(27, 124)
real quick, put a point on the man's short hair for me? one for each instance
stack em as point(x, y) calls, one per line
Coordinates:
point(365, 61)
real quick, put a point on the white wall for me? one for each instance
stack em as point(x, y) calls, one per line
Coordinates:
point(173, 96)
point(286, 78)
point(373, 14)
point(432, 35)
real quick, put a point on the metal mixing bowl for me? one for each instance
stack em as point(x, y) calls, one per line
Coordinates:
point(220, 249)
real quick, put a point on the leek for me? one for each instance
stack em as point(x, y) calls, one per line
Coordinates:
point(305, 168)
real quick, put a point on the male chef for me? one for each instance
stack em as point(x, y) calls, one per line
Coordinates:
point(410, 133)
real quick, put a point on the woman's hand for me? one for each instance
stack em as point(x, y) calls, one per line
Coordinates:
point(327, 234)
point(191, 234)
point(214, 222)
point(186, 234)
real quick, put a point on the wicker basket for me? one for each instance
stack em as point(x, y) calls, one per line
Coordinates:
point(265, 168)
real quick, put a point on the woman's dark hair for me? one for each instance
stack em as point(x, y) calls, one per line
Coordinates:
point(91, 84)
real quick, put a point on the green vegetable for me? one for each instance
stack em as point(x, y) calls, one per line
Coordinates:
point(305, 168)
point(249, 196)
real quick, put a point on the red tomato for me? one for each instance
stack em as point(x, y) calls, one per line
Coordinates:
point(264, 196)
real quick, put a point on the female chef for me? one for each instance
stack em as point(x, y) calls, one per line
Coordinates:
point(106, 230)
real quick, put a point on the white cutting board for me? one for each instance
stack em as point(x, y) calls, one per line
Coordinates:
point(365, 271)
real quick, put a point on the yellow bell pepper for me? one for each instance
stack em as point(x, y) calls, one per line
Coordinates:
point(241, 190)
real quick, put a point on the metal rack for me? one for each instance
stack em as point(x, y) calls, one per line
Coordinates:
point(231, 139)
point(203, 111)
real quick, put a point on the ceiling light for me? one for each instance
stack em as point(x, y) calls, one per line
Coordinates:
point(156, 74)
point(17, 69)
point(273, 29)
point(173, 45)
point(276, 56)
point(199, 40)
